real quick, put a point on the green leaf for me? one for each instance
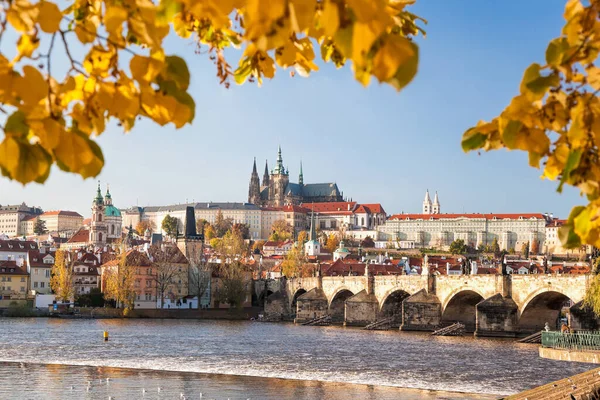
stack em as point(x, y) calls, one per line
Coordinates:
point(568, 237)
point(407, 71)
point(16, 124)
point(555, 51)
point(572, 163)
point(473, 140)
point(509, 135)
point(177, 70)
point(534, 85)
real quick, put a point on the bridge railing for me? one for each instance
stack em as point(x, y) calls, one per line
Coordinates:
point(585, 341)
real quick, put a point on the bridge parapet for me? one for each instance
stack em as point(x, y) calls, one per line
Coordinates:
point(384, 285)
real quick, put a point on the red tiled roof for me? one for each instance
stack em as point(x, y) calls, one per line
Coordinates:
point(28, 218)
point(556, 223)
point(474, 216)
point(87, 221)
point(330, 207)
point(370, 209)
point(341, 267)
point(133, 257)
point(7, 266)
point(288, 208)
point(81, 236)
point(20, 246)
point(63, 213)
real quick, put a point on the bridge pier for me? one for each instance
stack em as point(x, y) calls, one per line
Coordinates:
point(312, 304)
point(583, 318)
point(361, 309)
point(497, 316)
point(421, 312)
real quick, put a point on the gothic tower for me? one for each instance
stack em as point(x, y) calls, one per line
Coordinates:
point(301, 177)
point(254, 189)
point(265, 181)
point(278, 182)
point(98, 225)
point(427, 203)
point(436, 205)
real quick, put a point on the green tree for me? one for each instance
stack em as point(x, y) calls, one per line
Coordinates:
point(526, 250)
point(40, 227)
point(367, 242)
point(511, 250)
point(201, 225)
point(495, 247)
point(169, 225)
point(458, 246)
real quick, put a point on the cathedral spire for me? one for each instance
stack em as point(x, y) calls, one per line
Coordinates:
point(279, 168)
point(301, 177)
point(254, 167)
point(435, 209)
point(427, 203)
point(313, 233)
point(98, 199)
point(254, 187)
point(266, 174)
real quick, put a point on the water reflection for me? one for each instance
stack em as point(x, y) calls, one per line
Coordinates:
point(37, 382)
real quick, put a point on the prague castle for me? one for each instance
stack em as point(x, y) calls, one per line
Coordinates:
point(276, 189)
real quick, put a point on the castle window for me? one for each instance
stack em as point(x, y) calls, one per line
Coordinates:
point(100, 236)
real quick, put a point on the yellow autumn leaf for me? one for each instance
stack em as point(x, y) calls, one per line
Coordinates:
point(26, 45)
point(31, 87)
point(85, 31)
point(145, 69)
point(114, 18)
point(302, 14)
point(395, 51)
point(22, 15)
point(24, 162)
point(73, 151)
point(181, 27)
point(99, 61)
point(49, 17)
point(330, 18)
point(364, 35)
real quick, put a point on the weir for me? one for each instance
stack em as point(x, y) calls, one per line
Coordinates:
point(487, 305)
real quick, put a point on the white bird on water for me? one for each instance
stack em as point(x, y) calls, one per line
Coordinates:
point(107, 379)
point(159, 389)
point(72, 387)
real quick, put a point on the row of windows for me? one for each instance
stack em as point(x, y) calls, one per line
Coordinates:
point(42, 285)
point(9, 279)
point(9, 288)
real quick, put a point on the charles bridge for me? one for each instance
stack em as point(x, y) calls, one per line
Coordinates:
point(488, 305)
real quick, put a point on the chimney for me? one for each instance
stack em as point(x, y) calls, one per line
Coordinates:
point(447, 268)
point(348, 206)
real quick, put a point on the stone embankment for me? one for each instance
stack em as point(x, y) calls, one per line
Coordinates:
point(585, 386)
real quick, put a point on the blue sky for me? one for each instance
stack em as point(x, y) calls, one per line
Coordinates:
point(377, 144)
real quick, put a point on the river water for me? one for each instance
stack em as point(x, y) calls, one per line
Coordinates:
point(56, 358)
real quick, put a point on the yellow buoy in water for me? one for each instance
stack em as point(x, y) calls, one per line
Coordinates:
point(106, 336)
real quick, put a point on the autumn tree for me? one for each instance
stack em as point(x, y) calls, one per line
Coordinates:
point(118, 69)
point(281, 230)
point(495, 246)
point(526, 250)
point(119, 278)
point(200, 273)
point(145, 225)
point(535, 247)
point(242, 229)
point(61, 276)
point(222, 225)
point(258, 246)
point(458, 246)
point(332, 242)
point(293, 261)
point(169, 271)
point(302, 237)
point(367, 242)
point(201, 225)
point(169, 225)
point(233, 284)
point(209, 233)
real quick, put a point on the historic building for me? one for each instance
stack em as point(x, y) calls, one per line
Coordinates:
point(277, 190)
point(106, 224)
point(12, 215)
point(428, 206)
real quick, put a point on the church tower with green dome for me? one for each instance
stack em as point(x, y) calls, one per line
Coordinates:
point(112, 217)
point(98, 234)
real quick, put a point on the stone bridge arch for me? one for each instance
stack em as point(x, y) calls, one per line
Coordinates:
point(447, 286)
point(461, 306)
point(337, 303)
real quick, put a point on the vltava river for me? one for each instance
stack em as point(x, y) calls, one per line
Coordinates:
point(239, 360)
